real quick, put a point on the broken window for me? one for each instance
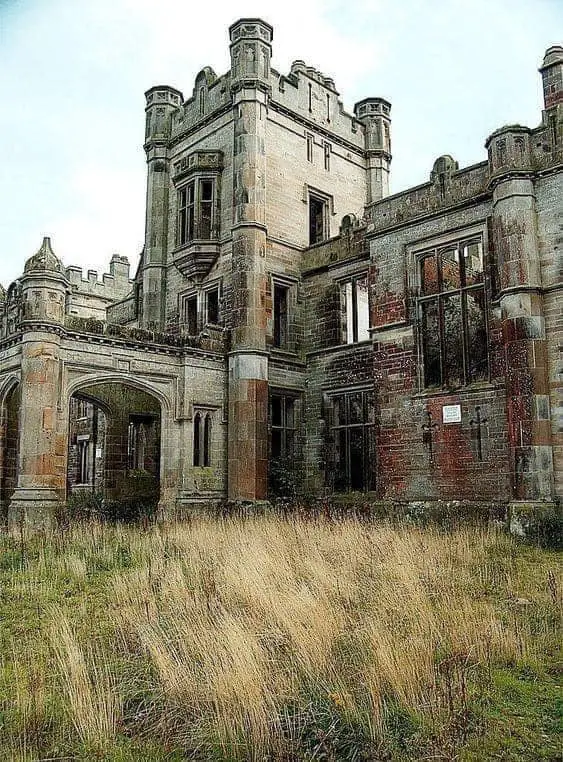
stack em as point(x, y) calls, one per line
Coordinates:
point(282, 426)
point(352, 436)
point(281, 294)
point(452, 314)
point(190, 314)
point(84, 460)
point(137, 442)
point(212, 306)
point(196, 211)
point(202, 438)
point(354, 310)
point(318, 219)
point(200, 309)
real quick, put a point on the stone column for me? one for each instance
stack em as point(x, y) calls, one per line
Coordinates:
point(42, 452)
point(515, 246)
point(248, 360)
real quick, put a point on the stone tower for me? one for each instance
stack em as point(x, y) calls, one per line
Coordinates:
point(374, 114)
point(42, 438)
point(251, 52)
point(162, 102)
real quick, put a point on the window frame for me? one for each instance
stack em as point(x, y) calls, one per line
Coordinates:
point(190, 212)
point(201, 297)
point(367, 428)
point(353, 279)
point(455, 241)
point(325, 202)
point(288, 399)
point(202, 436)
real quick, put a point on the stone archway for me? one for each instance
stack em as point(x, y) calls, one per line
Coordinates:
point(9, 436)
point(115, 442)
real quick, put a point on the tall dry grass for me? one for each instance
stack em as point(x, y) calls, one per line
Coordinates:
point(247, 634)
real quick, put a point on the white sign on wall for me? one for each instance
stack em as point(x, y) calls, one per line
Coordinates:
point(451, 414)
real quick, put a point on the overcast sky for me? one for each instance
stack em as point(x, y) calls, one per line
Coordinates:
point(73, 75)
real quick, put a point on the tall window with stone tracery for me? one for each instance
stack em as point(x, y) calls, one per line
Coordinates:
point(452, 314)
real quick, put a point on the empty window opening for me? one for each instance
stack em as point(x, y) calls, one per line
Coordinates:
point(202, 439)
point(317, 219)
point(137, 443)
point(202, 100)
point(282, 426)
point(452, 314)
point(328, 107)
point(190, 317)
point(84, 457)
point(309, 148)
point(206, 209)
point(352, 437)
point(280, 315)
point(310, 97)
point(196, 209)
point(327, 150)
point(212, 306)
point(354, 310)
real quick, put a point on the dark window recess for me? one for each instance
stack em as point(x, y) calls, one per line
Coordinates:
point(352, 438)
point(206, 209)
point(212, 300)
point(191, 315)
point(137, 443)
point(327, 150)
point(354, 310)
point(195, 211)
point(282, 426)
point(280, 315)
point(202, 439)
point(309, 148)
point(317, 220)
point(452, 314)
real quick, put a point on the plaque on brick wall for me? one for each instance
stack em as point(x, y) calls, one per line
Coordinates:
point(451, 414)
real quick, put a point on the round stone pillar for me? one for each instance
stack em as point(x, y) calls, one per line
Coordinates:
point(42, 451)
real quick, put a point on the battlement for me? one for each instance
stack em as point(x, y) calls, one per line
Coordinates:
point(112, 286)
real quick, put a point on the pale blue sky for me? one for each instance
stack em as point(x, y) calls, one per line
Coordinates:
point(73, 74)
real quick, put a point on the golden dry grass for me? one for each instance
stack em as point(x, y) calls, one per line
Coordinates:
point(263, 636)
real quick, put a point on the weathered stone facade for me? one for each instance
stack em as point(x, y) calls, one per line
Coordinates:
point(291, 326)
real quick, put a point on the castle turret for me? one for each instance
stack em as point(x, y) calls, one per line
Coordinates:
point(42, 436)
point(514, 241)
point(374, 114)
point(552, 76)
point(248, 362)
point(552, 79)
point(162, 102)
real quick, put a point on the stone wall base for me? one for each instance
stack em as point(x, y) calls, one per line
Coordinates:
point(35, 507)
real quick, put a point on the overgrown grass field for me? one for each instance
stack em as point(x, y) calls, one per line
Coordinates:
point(277, 639)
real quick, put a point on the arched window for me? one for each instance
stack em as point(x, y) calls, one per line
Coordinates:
point(202, 100)
point(202, 438)
point(206, 439)
point(197, 439)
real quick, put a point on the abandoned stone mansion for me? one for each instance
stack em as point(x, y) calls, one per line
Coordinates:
point(292, 327)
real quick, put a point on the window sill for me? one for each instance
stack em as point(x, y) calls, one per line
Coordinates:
point(478, 386)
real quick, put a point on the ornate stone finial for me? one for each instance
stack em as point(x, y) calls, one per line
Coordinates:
point(44, 259)
point(2, 294)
